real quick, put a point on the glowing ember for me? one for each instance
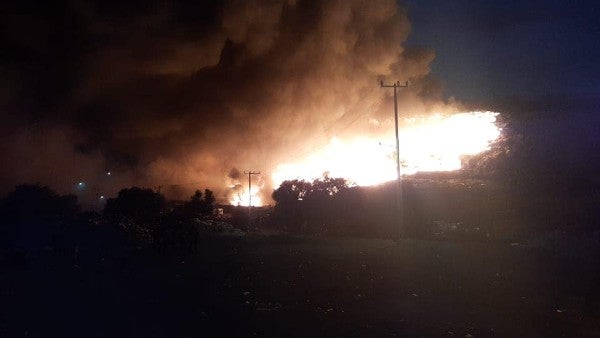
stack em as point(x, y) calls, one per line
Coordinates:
point(241, 198)
point(434, 143)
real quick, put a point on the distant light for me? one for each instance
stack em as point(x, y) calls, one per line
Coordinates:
point(101, 197)
point(108, 173)
point(80, 184)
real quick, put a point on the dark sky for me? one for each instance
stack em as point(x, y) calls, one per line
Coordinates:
point(536, 60)
point(186, 91)
point(512, 50)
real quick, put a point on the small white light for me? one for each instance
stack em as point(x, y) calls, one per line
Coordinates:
point(108, 173)
point(102, 197)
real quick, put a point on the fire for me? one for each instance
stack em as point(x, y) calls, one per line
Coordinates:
point(362, 161)
point(241, 198)
point(433, 143)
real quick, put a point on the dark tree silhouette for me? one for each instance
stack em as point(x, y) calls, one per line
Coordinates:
point(289, 207)
point(291, 191)
point(311, 207)
point(140, 205)
point(194, 207)
point(198, 206)
point(209, 201)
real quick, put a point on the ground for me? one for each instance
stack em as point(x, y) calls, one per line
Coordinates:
point(305, 287)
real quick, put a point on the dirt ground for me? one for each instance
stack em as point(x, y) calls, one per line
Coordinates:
point(305, 287)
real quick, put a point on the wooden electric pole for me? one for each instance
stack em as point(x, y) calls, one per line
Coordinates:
point(397, 85)
point(250, 173)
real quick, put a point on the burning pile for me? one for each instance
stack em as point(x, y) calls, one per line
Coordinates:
point(427, 144)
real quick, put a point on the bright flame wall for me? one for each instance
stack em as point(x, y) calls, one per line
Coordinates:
point(435, 143)
point(242, 198)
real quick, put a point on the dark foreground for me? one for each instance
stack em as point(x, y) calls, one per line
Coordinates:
point(294, 287)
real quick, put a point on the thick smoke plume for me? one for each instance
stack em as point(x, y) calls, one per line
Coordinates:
point(173, 93)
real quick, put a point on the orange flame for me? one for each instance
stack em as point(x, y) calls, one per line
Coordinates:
point(434, 143)
point(242, 198)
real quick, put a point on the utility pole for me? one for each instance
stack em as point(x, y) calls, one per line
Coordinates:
point(250, 173)
point(397, 85)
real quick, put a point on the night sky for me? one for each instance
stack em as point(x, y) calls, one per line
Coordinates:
point(507, 51)
point(175, 92)
point(534, 60)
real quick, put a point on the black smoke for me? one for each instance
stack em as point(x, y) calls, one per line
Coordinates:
point(167, 93)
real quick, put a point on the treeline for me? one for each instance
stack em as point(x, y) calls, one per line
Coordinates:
point(326, 205)
point(35, 217)
point(432, 208)
point(436, 207)
point(145, 217)
point(332, 206)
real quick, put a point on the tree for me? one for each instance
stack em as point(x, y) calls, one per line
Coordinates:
point(291, 191)
point(324, 201)
point(328, 186)
point(141, 205)
point(289, 207)
point(209, 201)
point(305, 206)
point(198, 206)
point(195, 205)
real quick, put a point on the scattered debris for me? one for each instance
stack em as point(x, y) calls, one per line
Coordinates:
point(267, 306)
point(218, 227)
point(323, 310)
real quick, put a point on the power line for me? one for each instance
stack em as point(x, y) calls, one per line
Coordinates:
point(397, 85)
point(357, 117)
point(304, 152)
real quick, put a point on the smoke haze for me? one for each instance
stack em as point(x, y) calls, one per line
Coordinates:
point(166, 93)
